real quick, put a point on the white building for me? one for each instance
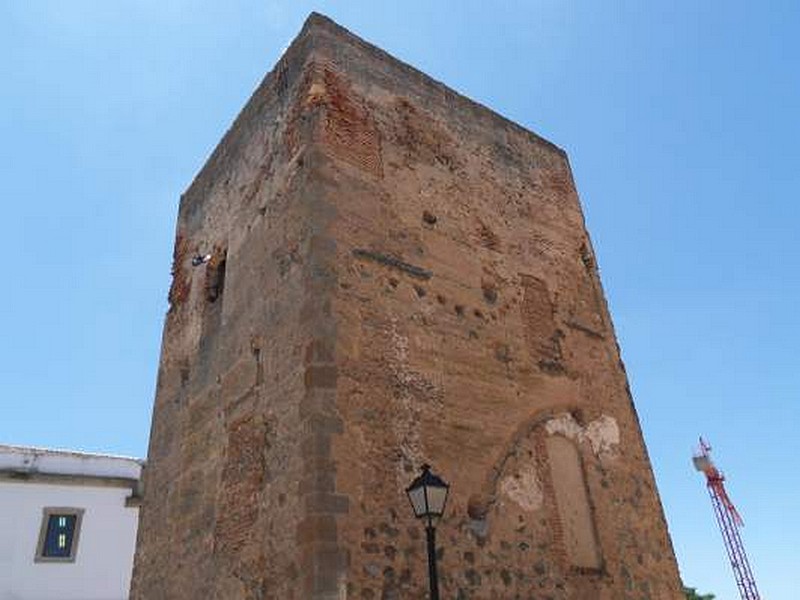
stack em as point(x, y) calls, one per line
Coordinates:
point(67, 524)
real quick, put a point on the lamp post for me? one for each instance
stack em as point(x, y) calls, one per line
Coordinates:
point(428, 495)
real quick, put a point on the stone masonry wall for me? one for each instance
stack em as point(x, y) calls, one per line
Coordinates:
point(232, 446)
point(397, 276)
point(472, 334)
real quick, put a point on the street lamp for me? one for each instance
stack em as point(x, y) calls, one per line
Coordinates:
point(428, 495)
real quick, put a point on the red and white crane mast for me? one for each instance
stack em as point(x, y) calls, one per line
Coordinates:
point(729, 522)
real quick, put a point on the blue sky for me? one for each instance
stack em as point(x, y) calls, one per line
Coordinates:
point(681, 122)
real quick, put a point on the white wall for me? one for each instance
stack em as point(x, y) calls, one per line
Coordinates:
point(104, 558)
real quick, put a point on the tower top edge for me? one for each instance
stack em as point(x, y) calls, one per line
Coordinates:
point(317, 22)
point(319, 31)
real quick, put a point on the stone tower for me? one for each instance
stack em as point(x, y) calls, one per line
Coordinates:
point(372, 272)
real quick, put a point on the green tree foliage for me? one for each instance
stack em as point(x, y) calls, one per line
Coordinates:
point(691, 594)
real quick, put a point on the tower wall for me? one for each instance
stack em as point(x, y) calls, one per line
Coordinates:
point(397, 276)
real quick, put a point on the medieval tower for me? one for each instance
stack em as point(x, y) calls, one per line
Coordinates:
point(372, 272)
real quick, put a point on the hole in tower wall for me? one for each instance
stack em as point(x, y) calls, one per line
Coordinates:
point(281, 79)
point(183, 369)
point(259, 358)
point(215, 277)
point(212, 312)
point(586, 258)
point(489, 291)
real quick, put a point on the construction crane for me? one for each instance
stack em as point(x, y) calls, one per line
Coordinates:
point(729, 522)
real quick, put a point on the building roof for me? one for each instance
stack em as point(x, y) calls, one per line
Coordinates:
point(24, 461)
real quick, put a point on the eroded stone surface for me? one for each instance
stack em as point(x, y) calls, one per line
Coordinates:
point(524, 488)
point(602, 434)
point(397, 276)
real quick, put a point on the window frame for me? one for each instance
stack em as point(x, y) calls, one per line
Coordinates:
point(47, 513)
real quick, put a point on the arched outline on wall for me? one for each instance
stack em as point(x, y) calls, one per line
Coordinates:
point(524, 431)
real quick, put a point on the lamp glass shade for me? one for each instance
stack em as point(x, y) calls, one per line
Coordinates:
point(418, 503)
point(437, 496)
point(428, 494)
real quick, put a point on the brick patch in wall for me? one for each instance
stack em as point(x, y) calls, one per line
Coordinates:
point(242, 480)
point(540, 328)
